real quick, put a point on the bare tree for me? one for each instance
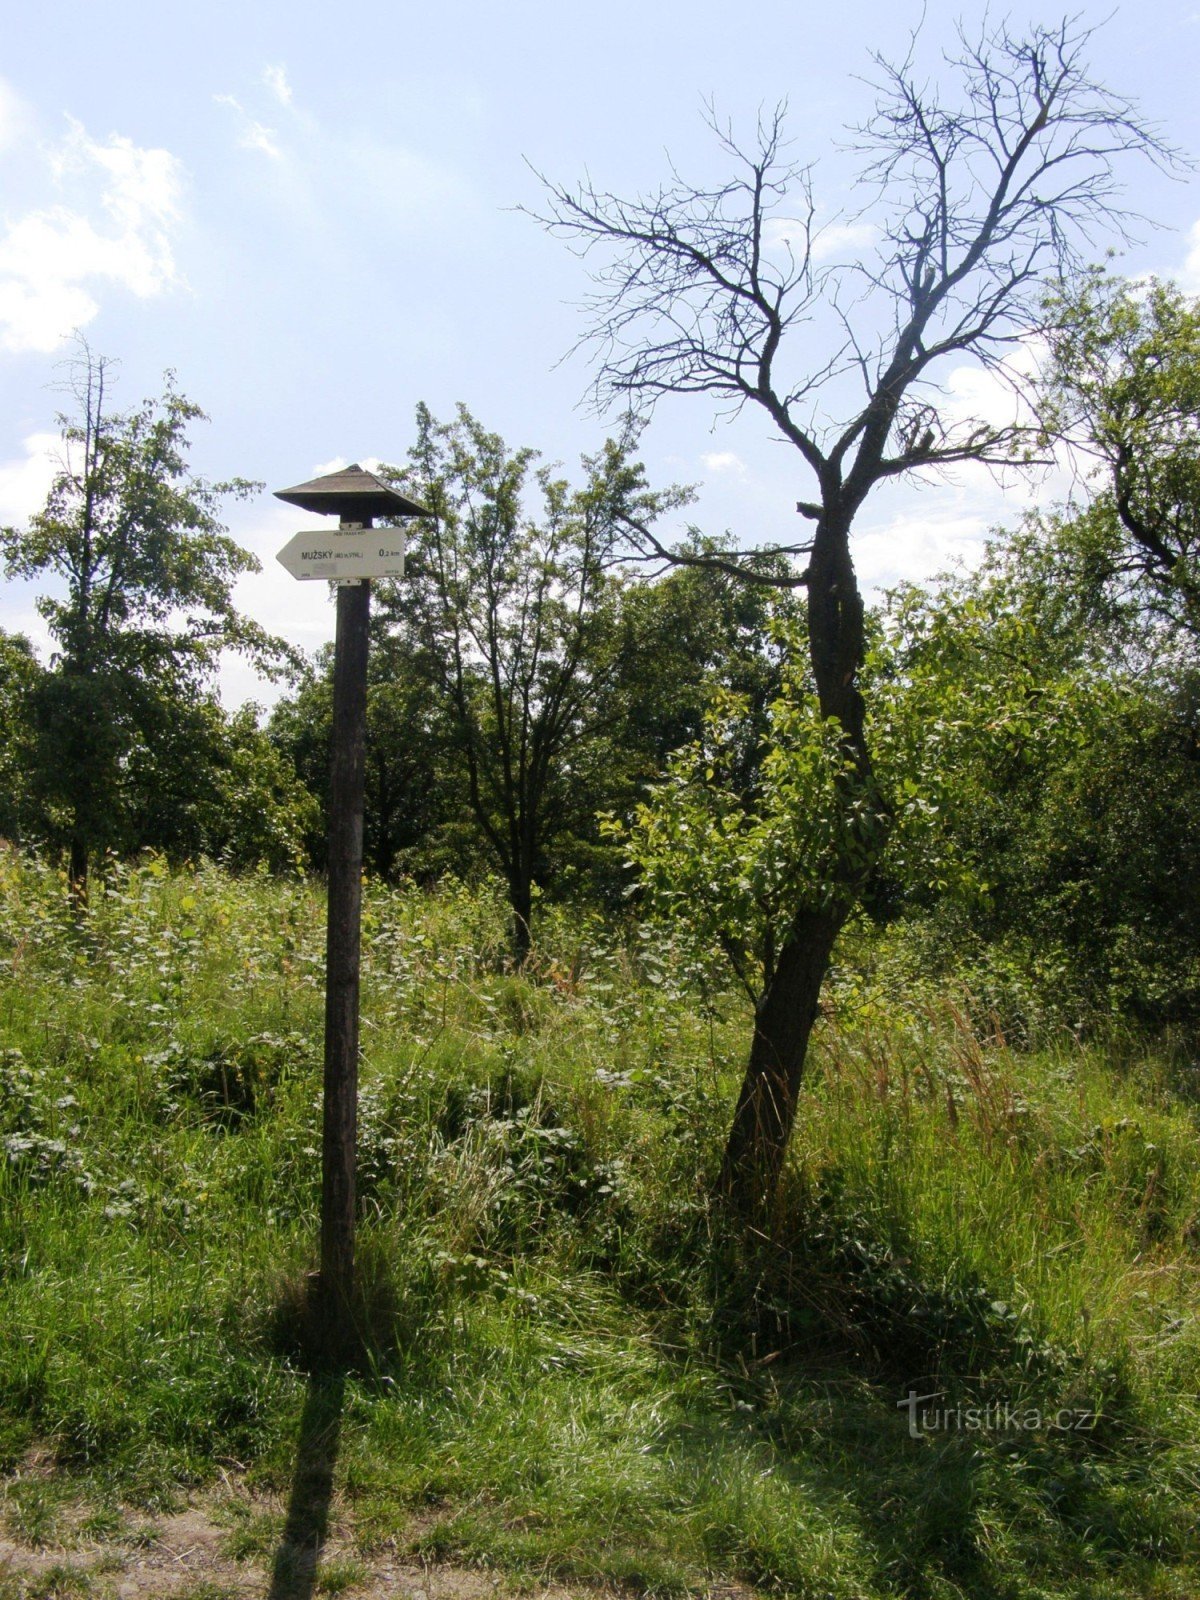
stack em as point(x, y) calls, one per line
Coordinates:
point(977, 201)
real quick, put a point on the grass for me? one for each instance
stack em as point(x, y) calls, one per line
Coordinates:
point(574, 1370)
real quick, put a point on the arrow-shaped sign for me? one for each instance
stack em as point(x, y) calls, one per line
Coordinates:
point(340, 553)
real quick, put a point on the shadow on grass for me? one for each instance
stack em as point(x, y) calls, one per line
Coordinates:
point(298, 1556)
point(820, 1344)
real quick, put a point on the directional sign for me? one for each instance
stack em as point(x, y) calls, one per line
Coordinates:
point(345, 553)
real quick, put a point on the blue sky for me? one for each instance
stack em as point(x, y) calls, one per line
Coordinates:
point(309, 212)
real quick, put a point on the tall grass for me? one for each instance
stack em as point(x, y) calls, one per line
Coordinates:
point(572, 1366)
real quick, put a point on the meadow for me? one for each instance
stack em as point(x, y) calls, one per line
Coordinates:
point(573, 1369)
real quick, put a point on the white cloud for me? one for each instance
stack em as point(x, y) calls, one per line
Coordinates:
point(126, 205)
point(253, 135)
point(723, 461)
point(143, 185)
point(915, 547)
point(14, 116)
point(276, 79)
point(973, 392)
point(258, 137)
point(998, 396)
point(779, 232)
point(844, 239)
point(307, 161)
point(367, 463)
point(41, 316)
point(24, 482)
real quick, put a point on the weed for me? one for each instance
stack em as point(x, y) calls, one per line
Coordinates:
point(569, 1366)
point(339, 1574)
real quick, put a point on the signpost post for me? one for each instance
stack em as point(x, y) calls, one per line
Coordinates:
point(351, 556)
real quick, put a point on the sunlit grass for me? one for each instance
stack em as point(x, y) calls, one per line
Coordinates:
point(571, 1367)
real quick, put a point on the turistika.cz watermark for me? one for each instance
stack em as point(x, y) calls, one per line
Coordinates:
point(997, 1416)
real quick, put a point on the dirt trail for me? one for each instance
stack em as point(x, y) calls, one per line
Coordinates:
point(187, 1556)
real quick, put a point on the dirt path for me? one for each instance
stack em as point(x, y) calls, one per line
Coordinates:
point(190, 1556)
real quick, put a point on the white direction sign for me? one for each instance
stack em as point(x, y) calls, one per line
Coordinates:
point(345, 553)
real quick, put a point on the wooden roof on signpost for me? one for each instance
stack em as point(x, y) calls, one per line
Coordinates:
point(352, 493)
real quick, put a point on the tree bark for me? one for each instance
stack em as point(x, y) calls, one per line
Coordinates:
point(766, 1108)
point(520, 898)
point(783, 1022)
point(77, 870)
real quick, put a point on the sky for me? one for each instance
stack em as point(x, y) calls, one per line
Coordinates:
point(312, 215)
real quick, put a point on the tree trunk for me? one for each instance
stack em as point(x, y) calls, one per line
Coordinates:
point(77, 870)
point(783, 1021)
point(784, 1016)
point(383, 848)
point(520, 898)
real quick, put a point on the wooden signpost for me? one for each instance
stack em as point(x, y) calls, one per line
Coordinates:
point(351, 556)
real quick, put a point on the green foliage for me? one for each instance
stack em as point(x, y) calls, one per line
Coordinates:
point(1061, 862)
point(768, 813)
point(140, 605)
point(697, 630)
point(415, 803)
point(1123, 387)
point(256, 810)
point(663, 646)
point(20, 680)
point(211, 782)
point(513, 621)
point(575, 1372)
point(1039, 791)
point(732, 866)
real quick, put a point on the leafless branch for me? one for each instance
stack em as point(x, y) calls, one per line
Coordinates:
point(979, 201)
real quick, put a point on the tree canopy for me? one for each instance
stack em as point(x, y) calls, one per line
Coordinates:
point(140, 604)
point(1122, 389)
point(515, 616)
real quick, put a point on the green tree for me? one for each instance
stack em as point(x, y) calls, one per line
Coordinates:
point(679, 638)
point(976, 202)
point(1044, 796)
point(699, 629)
point(257, 811)
point(515, 621)
point(20, 679)
point(687, 635)
point(749, 821)
point(1122, 388)
point(414, 791)
point(141, 600)
point(1061, 867)
point(201, 781)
